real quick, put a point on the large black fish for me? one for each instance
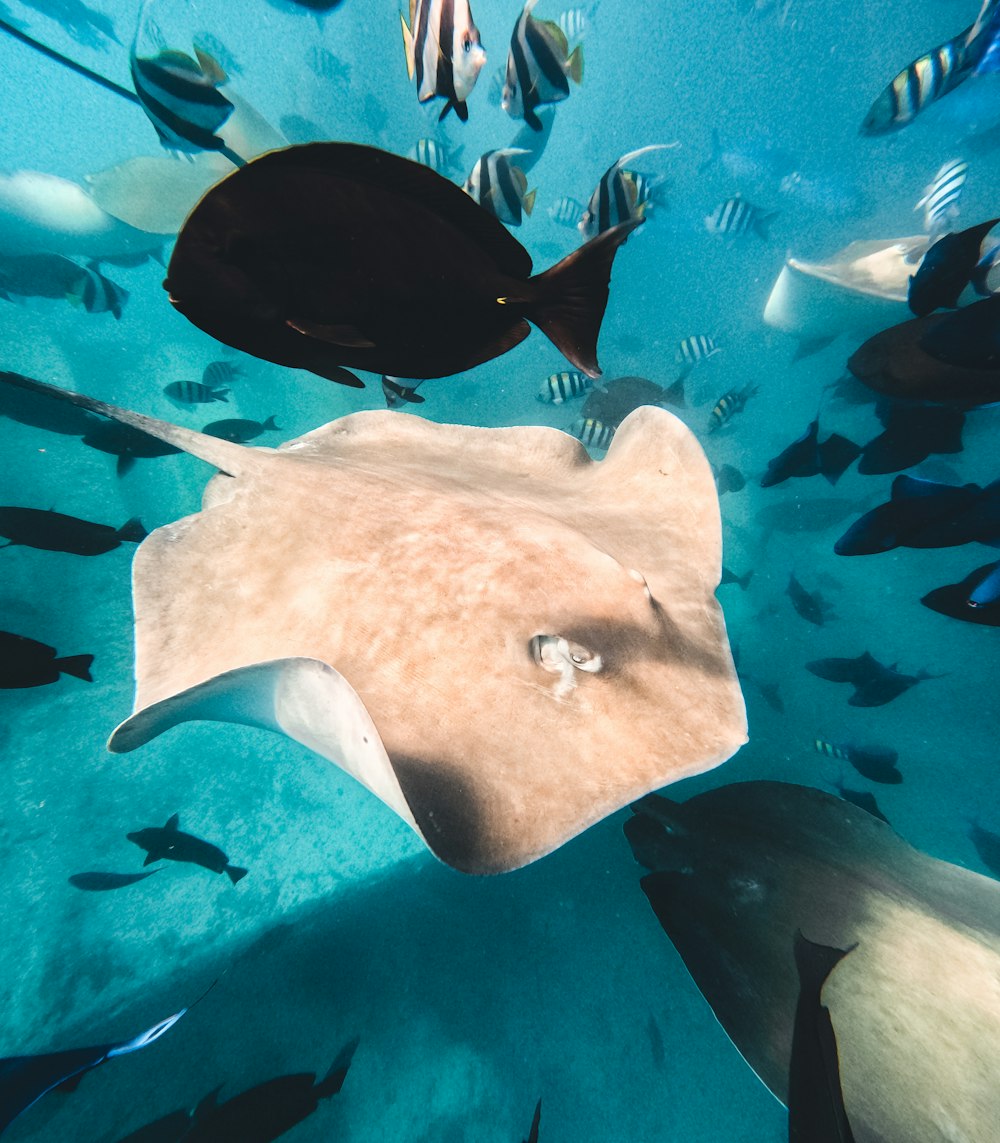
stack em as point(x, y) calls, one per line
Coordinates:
point(125, 442)
point(328, 255)
point(807, 457)
point(25, 662)
point(874, 683)
point(946, 269)
point(170, 843)
point(100, 881)
point(54, 532)
point(968, 339)
point(911, 434)
point(976, 599)
point(25, 1079)
point(39, 411)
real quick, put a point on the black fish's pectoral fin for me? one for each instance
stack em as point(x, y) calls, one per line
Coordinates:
point(347, 335)
point(150, 858)
point(836, 455)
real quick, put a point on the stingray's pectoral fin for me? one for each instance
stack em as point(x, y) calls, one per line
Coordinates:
point(347, 335)
point(306, 699)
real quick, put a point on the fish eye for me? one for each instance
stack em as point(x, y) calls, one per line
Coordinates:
point(467, 44)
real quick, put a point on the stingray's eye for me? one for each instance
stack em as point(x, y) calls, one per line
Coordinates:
point(559, 655)
point(583, 659)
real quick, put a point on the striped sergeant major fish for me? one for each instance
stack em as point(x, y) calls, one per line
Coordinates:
point(940, 200)
point(691, 350)
point(934, 74)
point(218, 373)
point(396, 393)
point(500, 187)
point(619, 196)
point(566, 211)
point(97, 294)
point(539, 67)
point(444, 52)
point(437, 155)
point(193, 393)
point(564, 386)
point(729, 404)
point(596, 434)
point(736, 216)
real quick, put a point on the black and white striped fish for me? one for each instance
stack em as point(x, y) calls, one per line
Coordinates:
point(728, 405)
point(181, 98)
point(596, 434)
point(218, 373)
point(539, 67)
point(438, 156)
point(193, 393)
point(566, 211)
point(940, 200)
point(736, 216)
point(691, 350)
point(443, 51)
point(500, 187)
point(564, 386)
point(97, 294)
point(619, 196)
point(397, 394)
point(933, 75)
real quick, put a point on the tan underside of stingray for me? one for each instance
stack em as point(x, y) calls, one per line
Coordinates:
point(373, 590)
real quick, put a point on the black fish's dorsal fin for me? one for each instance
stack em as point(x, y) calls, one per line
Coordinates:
point(412, 180)
point(173, 822)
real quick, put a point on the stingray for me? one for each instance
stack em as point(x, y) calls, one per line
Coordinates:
point(406, 599)
point(915, 1007)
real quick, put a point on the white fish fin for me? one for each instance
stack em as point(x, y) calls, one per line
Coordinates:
point(633, 155)
point(304, 698)
point(408, 43)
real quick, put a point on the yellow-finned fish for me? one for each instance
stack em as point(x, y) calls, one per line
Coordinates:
point(539, 67)
point(501, 187)
point(443, 51)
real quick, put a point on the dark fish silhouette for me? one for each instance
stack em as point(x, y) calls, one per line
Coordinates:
point(807, 457)
point(25, 662)
point(946, 269)
point(125, 442)
point(612, 402)
point(874, 683)
point(863, 799)
point(809, 604)
point(925, 514)
point(99, 881)
point(771, 694)
point(816, 1112)
point(968, 339)
point(265, 1112)
point(876, 763)
point(731, 577)
point(25, 1079)
point(167, 1129)
point(912, 434)
point(170, 843)
point(536, 1119)
point(656, 1047)
point(328, 255)
point(239, 430)
point(728, 479)
point(987, 845)
point(975, 600)
point(54, 532)
point(42, 412)
point(396, 394)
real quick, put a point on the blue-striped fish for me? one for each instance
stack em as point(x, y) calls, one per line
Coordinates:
point(396, 393)
point(619, 197)
point(218, 373)
point(940, 200)
point(691, 350)
point(736, 216)
point(728, 405)
point(564, 386)
point(443, 51)
point(97, 294)
point(193, 393)
point(566, 211)
point(438, 156)
point(933, 75)
point(539, 67)
point(596, 434)
point(500, 187)
point(181, 98)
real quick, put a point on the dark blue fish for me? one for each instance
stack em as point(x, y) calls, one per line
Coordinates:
point(728, 478)
point(807, 457)
point(911, 434)
point(874, 683)
point(876, 763)
point(946, 269)
point(239, 430)
point(863, 799)
point(25, 1079)
point(99, 881)
point(170, 843)
point(731, 577)
point(975, 600)
point(968, 338)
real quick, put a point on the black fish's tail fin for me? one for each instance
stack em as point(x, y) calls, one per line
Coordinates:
point(76, 665)
point(132, 531)
point(235, 873)
point(744, 580)
point(461, 109)
point(569, 299)
point(221, 395)
point(333, 1081)
point(674, 395)
point(269, 424)
point(836, 455)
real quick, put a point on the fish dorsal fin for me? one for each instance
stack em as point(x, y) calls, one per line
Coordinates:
point(412, 180)
point(173, 822)
point(557, 34)
point(211, 67)
point(917, 488)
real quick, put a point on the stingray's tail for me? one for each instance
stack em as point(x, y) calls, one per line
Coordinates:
point(569, 299)
point(93, 76)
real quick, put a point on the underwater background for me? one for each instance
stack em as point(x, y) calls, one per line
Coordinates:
point(471, 998)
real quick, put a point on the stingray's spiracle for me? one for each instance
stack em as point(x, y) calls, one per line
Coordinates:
point(558, 655)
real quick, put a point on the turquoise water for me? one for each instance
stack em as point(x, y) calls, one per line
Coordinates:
point(471, 998)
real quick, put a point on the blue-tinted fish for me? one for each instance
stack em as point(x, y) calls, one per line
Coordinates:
point(940, 200)
point(211, 45)
point(593, 433)
point(443, 51)
point(694, 349)
point(539, 67)
point(25, 1079)
point(728, 479)
point(874, 683)
point(863, 799)
point(566, 211)
point(809, 604)
point(438, 156)
point(976, 599)
point(536, 1118)
point(219, 373)
point(946, 269)
point(170, 843)
point(911, 434)
point(729, 404)
point(239, 429)
point(736, 216)
point(877, 763)
point(742, 581)
point(125, 442)
point(501, 187)
point(396, 393)
point(325, 65)
point(984, 280)
point(559, 387)
point(619, 196)
point(759, 165)
point(193, 393)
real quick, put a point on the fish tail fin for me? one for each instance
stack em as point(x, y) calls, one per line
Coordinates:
point(762, 224)
point(333, 1081)
point(407, 46)
point(574, 64)
point(744, 580)
point(235, 873)
point(528, 202)
point(570, 297)
point(674, 395)
point(76, 665)
point(460, 107)
point(132, 531)
point(836, 455)
point(221, 395)
point(270, 424)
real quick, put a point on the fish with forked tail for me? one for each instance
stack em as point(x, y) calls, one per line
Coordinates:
point(25, 662)
point(170, 843)
point(54, 532)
